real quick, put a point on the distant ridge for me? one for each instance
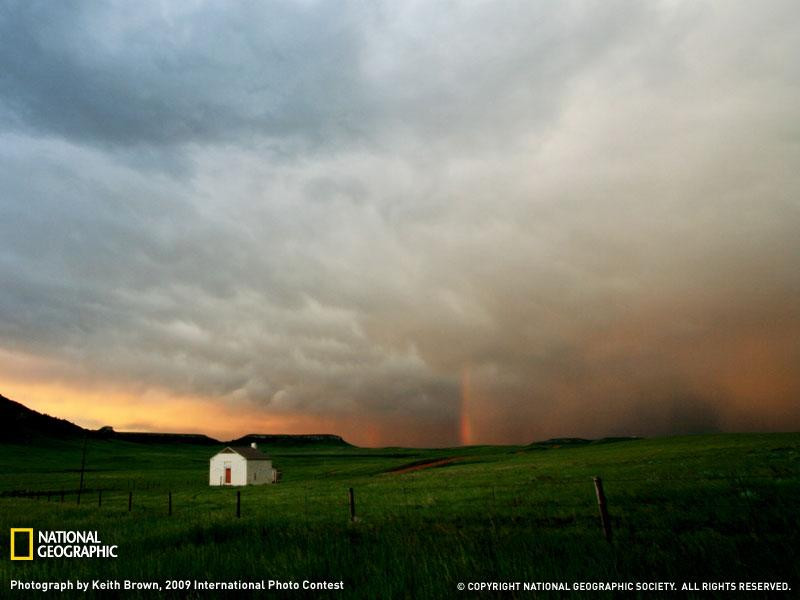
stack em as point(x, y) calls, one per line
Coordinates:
point(20, 424)
point(315, 439)
point(569, 442)
point(142, 437)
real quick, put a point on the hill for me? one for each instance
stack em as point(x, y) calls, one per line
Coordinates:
point(18, 423)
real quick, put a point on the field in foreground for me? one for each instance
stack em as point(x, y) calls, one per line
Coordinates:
point(702, 508)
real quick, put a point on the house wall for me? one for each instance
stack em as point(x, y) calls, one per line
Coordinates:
point(216, 471)
point(259, 472)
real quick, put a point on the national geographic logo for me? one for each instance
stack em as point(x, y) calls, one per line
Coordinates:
point(22, 551)
point(58, 544)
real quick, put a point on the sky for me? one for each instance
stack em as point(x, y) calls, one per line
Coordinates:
point(407, 223)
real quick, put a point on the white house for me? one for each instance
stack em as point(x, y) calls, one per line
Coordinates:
point(241, 465)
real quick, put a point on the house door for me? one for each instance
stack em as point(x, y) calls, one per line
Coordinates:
point(227, 474)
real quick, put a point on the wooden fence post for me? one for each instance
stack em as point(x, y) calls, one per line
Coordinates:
point(238, 504)
point(169, 499)
point(352, 505)
point(83, 467)
point(601, 504)
point(130, 501)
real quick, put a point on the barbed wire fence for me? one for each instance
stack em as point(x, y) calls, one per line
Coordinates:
point(540, 501)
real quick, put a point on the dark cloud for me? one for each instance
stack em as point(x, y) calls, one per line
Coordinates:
point(540, 219)
point(167, 75)
point(299, 75)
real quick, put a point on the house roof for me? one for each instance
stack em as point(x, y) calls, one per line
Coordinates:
point(246, 451)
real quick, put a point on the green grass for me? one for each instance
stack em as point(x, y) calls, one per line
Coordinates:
point(699, 508)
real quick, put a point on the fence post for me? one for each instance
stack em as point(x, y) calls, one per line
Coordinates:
point(238, 504)
point(130, 501)
point(352, 505)
point(601, 504)
point(169, 498)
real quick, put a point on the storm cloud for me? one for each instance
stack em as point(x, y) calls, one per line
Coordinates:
point(426, 223)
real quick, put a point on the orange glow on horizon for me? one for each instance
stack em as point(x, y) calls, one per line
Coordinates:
point(161, 412)
point(154, 411)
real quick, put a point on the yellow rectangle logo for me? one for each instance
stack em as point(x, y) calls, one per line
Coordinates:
point(29, 531)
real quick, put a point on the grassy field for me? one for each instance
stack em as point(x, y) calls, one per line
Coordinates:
point(685, 509)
